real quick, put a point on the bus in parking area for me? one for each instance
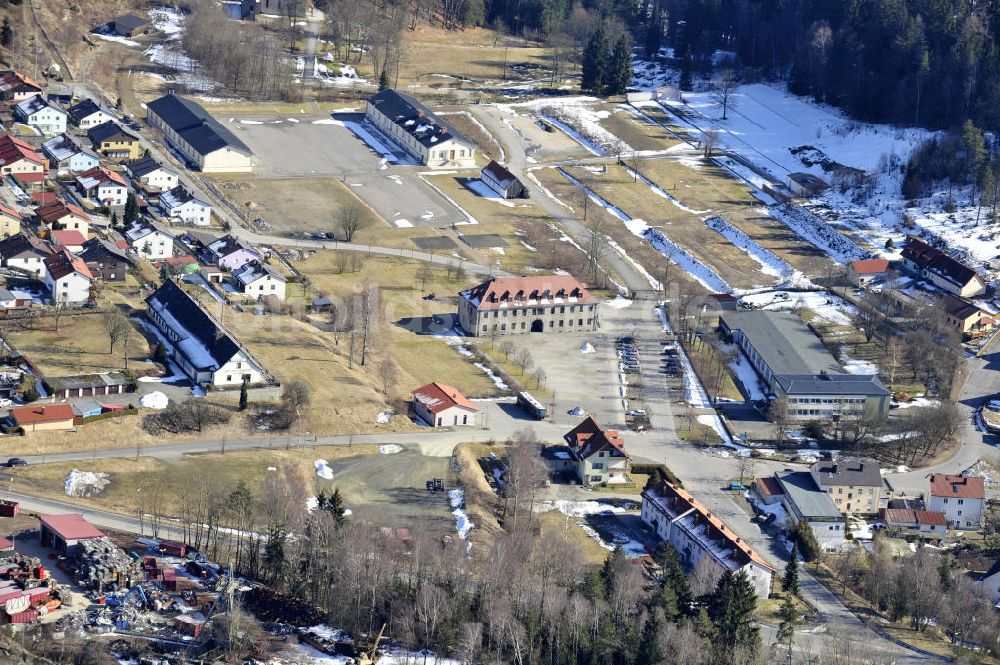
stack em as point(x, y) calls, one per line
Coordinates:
point(526, 401)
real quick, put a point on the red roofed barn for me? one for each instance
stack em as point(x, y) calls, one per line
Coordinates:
point(863, 272)
point(443, 406)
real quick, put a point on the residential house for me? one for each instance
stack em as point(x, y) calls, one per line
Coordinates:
point(258, 280)
point(922, 522)
point(960, 498)
point(794, 364)
point(181, 205)
point(58, 93)
point(965, 318)
point(17, 157)
point(10, 221)
point(71, 241)
point(11, 300)
point(43, 417)
point(111, 140)
point(502, 181)
point(61, 215)
point(108, 188)
point(856, 486)
point(439, 405)
point(228, 252)
point(68, 280)
point(128, 25)
point(151, 173)
point(150, 240)
point(199, 137)
point(107, 262)
point(424, 136)
point(40, 114)
point(65, 155)
point(599, 454)
point(866, 271)
point(204, 350)
point(721, 302)
point(87, 114)
point(26, 253)
point(698, 535)
point(990, 583)
point(941, 270)
point(16, 87)
point(806, 502)
point(518, 305)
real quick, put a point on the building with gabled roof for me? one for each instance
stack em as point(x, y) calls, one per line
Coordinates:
point(87, 113)
point(966, 318)
point(107, 262)
point(259, 280)
point(150, 240)
point(518, 305)
point(925, 522)
point(128, 25)
point(959, 498)
point(941, 270)
point(68, 279)
point(440, 405)
point(16, 157)
point(64, 155)
point(418, 131)
point(64, 532)
point(599, 454)
point(498, 178)
point(179, 204)
point(806, 502)
point(106, 187)
point(204, 350)
point(697, 534)
point(10, 221)
point(16, 87)
point(62, 215)
point(25, 252)
point(71, 241)
point(199, 137)
point(228, 252)
point(856, 486)
point(114, 141)
point(39, 113)
point(151, 173)
point(865, 271)
point(42, 417)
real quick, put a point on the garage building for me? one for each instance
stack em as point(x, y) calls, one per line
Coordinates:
point(63, 532)
point(199, 137)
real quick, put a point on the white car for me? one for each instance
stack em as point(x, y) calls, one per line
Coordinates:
point(5, 403)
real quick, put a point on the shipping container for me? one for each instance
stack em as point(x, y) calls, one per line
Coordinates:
point(9, 508)
point(39, 595)
point(173, 548)
point(170, 579)
point(24, 617)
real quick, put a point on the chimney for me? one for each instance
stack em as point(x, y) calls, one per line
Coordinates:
point(42, 411)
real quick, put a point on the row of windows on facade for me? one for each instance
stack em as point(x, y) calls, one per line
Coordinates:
point(465, 420)
point(536, 311)
point(813, 412)
point(861, 490)
point(826, 400)
point(513, 326)
point(544, 294)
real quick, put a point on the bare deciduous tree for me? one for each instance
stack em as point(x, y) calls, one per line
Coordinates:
point(723, 87)
point(115, 324)
point(352, 218)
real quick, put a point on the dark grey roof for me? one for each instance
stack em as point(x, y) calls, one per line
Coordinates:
point(129, 22)
point(994, 569)
point(784, 342)
point(831, 384)
point(414, 118)
point(810, 501)
point(96, 248)
point(858, 472)
point(84, 109)
point(181, 307)
point(500, 173)
point(194, 124)
point(144, 165)
point(108, 130)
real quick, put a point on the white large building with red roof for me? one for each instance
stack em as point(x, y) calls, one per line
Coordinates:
point(518, 305)
point(443, 406)
point(698, 535)
point(959, 498)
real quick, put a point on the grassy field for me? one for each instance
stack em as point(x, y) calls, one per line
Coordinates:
point(422, 357)
point(291, 205)
point(638, 201)
point(462, 120)
point(638, 133)
point(79, 346)
point(704, 186)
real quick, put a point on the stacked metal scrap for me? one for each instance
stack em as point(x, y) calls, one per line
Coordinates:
point(101, 562)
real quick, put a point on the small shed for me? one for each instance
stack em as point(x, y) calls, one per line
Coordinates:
point(64, 532)
point(189, 624)
point(9, 508)
point(498, 178)
point(806, 184)
point(128, 25)
point(865, 271)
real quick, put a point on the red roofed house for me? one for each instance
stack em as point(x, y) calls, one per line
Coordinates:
point(519, 305)
point(66, 216)
point(10, 221)
point(71, 241)
point(599, 453)
point(68, 279)
point(16, 156)
point(443, 406)
point(863, 272)
point(960, 498)
point(941, 269)
point(924, 521)
point(16, 87)
point(43, 417)
point(63, 532)
point(106, 187)
point(681, 520)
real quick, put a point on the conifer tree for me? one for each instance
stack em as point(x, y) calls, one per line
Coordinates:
point(654, 33)
point(685, 82)
point(732, 610)
point(649, 652)
point(620, 74)
point(131, 209)
point(785, 638)
point(383, 80)
point(594, 73)
point(790, 582)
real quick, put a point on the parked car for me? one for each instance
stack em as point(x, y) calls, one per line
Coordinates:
point(6, 403)
point(15, 461)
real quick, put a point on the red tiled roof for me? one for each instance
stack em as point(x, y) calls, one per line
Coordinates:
point(960, 487)
point(769, 486)
point(10, 212)
point(29, 177)
point(56, 210)
point(590, 437)
point(870, 266)
point(43, 413)
point(437, 397)
point(71, 526)
point(68, 238)
point(6, 544)
point(907, 516)
point(527, 291)
point(44, 198)
point(13, 150)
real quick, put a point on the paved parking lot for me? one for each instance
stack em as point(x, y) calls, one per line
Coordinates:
point(323, 146)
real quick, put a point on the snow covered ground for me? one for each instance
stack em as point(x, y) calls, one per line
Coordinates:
point(171, 54)
point(85, 483)
point(463, 525)
point(747, 377)
point(830, 307)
